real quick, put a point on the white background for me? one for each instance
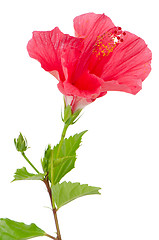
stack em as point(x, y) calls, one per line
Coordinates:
point(120, 152)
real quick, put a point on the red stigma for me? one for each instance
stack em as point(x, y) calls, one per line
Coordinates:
point(119, 28)
point(124, 33)
point(121, 40)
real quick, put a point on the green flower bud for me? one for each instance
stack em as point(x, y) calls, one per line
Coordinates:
point(46, 159)
point(21, 143)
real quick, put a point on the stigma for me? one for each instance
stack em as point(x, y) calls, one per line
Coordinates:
point(106, 43)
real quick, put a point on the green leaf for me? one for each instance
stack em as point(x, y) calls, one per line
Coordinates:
point(11, 230)
point(66, 192)
point(66, 156)
point(23, 174)
point(61, 160)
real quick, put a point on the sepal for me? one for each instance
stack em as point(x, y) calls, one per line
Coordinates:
point(67, 113)
point(69, 117)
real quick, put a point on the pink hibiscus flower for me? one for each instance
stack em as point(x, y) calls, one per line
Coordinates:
point(100, 58)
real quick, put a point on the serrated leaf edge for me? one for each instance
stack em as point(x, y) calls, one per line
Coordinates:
point(81, 195)
point(81, 134)
point(28, 177)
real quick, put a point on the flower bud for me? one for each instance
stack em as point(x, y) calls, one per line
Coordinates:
point(21, 143)
point(46, 159)
point(76, 103)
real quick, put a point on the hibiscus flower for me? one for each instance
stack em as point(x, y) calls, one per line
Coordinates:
point(100, 58)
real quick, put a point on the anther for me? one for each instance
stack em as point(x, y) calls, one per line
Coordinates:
point(121, 40)
point(119, 28)
point(124, 33)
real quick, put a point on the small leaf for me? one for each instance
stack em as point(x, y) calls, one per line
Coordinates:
point(66, 192)
point(11, 230)
point(23, 174)
point(67, 154)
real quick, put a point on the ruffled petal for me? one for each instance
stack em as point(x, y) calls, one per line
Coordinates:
point(70, 54)
point(46, 48)
point(125, 84)
point(57, 52)
point(85, 22)
point(131, 59)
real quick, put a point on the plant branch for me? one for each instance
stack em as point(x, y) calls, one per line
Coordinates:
point(48, 188)
point(47, 235)
point(53, 208)
point(57, 224)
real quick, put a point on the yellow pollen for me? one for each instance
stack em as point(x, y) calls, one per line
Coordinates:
point(105, 44)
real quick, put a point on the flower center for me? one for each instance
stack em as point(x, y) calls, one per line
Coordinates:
point(106, 42)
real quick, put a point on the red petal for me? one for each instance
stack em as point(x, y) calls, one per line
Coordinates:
point(87, 86)
point(129, 62)
point(70, 54)
point(85, 22)
point(125, 84)
point(45, 47)
point(57, 52)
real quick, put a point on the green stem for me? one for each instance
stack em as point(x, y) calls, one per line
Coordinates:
point(52, 177)
point(62, 138)
point(23, 154)
point(52, 168)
